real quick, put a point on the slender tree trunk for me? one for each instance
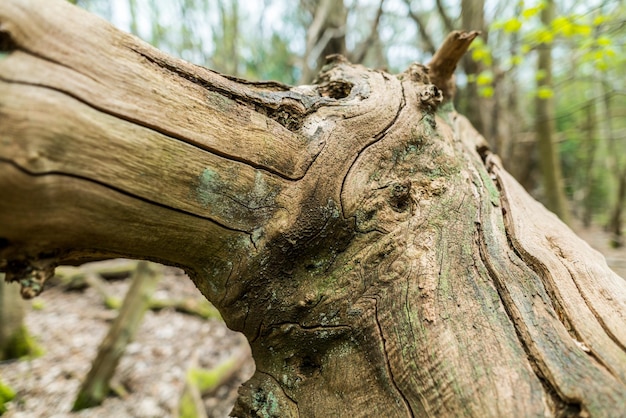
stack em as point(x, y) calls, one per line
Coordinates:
point(616, 223)
point(474, 106)
point(95, 387)
point(590, 146)
point(617, 165)
point(544, 121)
point(11, 321)
point(325, 36)
point(358, 232)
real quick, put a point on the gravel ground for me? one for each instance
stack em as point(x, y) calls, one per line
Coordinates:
point(70, 326)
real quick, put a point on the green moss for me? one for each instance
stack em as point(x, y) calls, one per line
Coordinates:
point(37, 305)
point(6, 395)
point(208, 379)
point(85, 400)
point(112, 302)
point(187, 406)
point(221, 102)
point(22, 344)
point(494, 194)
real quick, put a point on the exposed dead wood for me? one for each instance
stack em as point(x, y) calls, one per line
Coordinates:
point(444, 62)
point(376, 256)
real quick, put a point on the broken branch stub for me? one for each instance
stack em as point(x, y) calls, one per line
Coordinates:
point(443, 64)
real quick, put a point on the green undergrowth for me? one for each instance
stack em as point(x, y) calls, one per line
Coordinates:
point(21, 345)
point(6, 395)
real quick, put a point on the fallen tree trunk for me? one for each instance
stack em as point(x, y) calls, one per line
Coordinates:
point(359, 233)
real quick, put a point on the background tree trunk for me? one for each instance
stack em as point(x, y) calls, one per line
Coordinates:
point(474, 106)
point(590, 151)
point(549, 160)
point(326, 36)
point(361, 235)
point(12, 327)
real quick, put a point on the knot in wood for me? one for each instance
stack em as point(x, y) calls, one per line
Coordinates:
point(430, 96)
point(417, 73)
point(30, 275)
point(336, 89)
point(7, 44)
point(400, 196)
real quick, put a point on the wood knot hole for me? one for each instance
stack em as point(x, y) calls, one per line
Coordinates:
point(7, 44)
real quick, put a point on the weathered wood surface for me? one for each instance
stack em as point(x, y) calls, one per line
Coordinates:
point(377, 257)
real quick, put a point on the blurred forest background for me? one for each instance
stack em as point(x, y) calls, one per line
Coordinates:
point(544, 83)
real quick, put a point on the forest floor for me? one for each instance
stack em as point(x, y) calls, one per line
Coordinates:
point(70, 325)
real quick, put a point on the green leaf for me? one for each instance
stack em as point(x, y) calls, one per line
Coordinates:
point(540, 75)
point(604, 41)
point(598, 20)
point(583, 30)
point(544, 92)
point(602, 65)
point(486, 91)
point(484, 78)
point(542, 36)
point(532, 11)
point(482, 55)
point(512, 25)
point(37, 304)
point(563, 25)
point(516, 60)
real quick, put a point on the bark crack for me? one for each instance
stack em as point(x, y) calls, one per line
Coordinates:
point(407, 405)
point(162, 131)
point(278, 102)
point(558, 403)
point(377, 137)
point(123, 192)
point(535, 362)
point(281, 389)
point(595, 313)
point(542, 271)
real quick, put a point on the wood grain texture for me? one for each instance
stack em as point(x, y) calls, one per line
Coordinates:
point(358, 231)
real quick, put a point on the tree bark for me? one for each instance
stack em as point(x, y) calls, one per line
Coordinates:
point(361, 235)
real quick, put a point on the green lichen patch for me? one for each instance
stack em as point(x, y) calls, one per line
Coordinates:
point(206, 185)
point(266, 404)
point(445, 112)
